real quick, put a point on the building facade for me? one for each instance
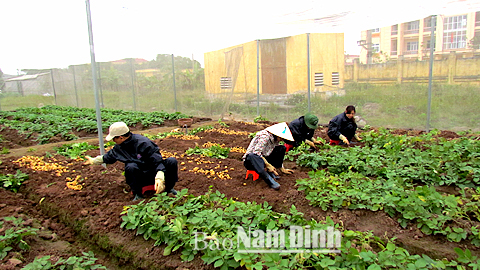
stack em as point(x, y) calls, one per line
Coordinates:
point(278, 66)
point(411, 40)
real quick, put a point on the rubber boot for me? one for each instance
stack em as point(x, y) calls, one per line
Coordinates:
point(173, 191)
point(271, 182)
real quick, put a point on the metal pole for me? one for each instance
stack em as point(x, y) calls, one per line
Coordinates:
point(53, 86)
point(430, 70)
point(94, 77)
point(132, 72)
point(174, 89)
point(258, 77)
point(75, 86)
point(308, 69)
point(99, 84)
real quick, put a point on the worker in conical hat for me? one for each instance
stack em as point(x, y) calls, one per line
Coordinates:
point(265, 155)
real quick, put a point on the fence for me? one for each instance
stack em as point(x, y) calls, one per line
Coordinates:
point(383, 94)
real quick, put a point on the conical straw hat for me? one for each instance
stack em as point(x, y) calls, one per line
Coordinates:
point(281, 130)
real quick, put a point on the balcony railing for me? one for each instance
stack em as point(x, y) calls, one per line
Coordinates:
point(427, 30)
point(393, 53)
point(410, 52)
point(411, 31)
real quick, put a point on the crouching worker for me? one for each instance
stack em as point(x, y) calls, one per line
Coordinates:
point(144, 164)
point(302, 130)
point(342, 128)
point(265, 155)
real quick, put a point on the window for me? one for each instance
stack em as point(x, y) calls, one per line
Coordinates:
point(395, 29)
point(477, 18)
point(319, 79)
point(394, 47)
point(335, 78)
point(427, 24)
point(412, 27)
point(412, 47)
point(375, 47)
point(226, 83)
point(455, 32)
point(426, 40)
point(376, 30)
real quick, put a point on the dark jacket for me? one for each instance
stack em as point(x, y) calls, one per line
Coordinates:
point(341, 124)
point(137, 149)
point(300, 131)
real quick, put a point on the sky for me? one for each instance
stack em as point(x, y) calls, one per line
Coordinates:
point(54, 33)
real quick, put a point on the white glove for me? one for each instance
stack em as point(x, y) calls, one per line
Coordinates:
point(344, 139)
point(95, 161)
point(357, 138)
point(159, 182)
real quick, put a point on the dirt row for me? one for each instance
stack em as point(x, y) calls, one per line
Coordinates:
point(90, 218)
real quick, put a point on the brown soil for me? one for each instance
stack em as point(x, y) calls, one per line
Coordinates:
point(89, 219)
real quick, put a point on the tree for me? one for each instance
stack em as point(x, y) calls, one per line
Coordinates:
point(189, 80)
point(474, 43)
point(380, 57)
point(164, 62)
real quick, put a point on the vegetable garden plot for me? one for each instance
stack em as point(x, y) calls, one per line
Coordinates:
point(96, 209)
point(30, 126)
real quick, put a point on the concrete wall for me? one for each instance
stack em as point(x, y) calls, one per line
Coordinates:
point(449, 70)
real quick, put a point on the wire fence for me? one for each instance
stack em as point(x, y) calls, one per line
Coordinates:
point(138, 85)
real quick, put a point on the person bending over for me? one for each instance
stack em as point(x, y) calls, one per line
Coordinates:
point(144, 165)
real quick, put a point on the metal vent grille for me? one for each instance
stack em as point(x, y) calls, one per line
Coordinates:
point(226, 83)
point(319, 79)
point(335, 78)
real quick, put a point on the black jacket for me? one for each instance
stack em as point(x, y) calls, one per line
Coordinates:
point(300, 131)
point(341, 124)
point(138, 149)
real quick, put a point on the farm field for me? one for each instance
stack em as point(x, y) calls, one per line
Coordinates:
point(437, 214)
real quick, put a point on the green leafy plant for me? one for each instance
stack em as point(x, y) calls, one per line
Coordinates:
point(175, 223)
point(51, 121)
point(74, 150)
point(86, 261)
point(215, 151)
point(199, 129)
point(13, 236)
point(4, 151)
point(13, 181)
point(220, 121)
point(295, 152)
point(259, 118)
